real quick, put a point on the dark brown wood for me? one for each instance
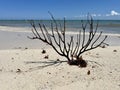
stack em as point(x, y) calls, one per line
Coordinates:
point(69, 49)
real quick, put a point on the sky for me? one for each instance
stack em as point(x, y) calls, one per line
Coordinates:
point(71, 9)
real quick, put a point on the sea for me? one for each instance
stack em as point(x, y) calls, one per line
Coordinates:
point(107, 26)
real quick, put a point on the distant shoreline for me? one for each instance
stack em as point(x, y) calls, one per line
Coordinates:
point(107, 26)
point(15, 37)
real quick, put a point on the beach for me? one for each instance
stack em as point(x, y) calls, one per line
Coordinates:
point(23, 66)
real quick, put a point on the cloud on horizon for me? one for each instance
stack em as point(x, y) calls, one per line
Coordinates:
point(112, 13)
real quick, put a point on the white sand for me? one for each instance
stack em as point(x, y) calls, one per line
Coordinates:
point(104, 66)
point(26, 69)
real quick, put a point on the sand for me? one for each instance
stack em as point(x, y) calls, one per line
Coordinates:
point(23, 66)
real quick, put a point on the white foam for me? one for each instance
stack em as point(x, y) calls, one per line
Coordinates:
point(28, 30)
point(15, 29)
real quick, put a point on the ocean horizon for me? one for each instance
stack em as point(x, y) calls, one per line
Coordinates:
point(107, 26)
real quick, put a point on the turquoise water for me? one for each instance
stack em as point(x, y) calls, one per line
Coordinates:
point(107, 26)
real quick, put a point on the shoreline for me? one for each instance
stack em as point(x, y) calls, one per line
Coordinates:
point(28, 30)
point(18, 40)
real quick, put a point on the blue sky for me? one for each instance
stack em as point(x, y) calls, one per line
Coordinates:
point(71, 9)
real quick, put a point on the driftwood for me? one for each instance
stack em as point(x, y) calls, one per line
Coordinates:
point(72, 49)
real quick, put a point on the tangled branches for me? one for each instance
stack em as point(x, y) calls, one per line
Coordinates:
point(72, 49)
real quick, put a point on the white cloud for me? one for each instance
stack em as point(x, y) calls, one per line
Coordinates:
point(79, 16)
point(113, 13)
point(94, 15)
point(99, 15)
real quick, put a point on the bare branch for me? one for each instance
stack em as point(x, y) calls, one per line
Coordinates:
point(69, 49)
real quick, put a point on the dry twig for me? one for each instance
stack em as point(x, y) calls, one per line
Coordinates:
point(71, 49)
